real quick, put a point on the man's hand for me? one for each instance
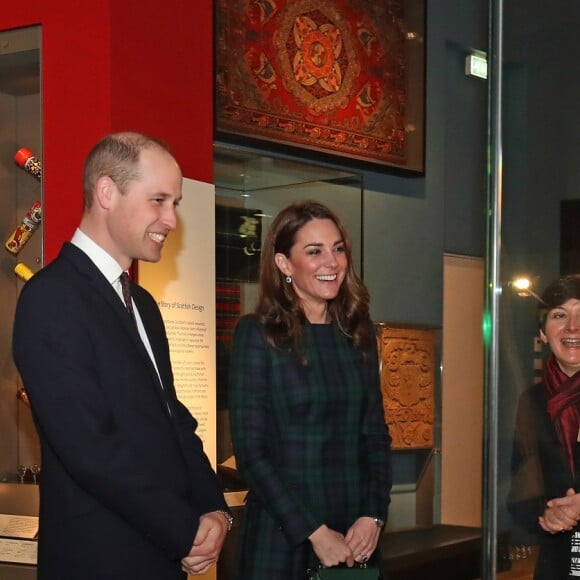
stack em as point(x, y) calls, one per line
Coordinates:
point(207, 544)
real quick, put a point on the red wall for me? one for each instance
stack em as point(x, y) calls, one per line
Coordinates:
point(162, 79)
point(110, 66)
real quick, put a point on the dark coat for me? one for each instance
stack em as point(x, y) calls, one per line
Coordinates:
point(311, 442)
point(124, 481)
point(540, 471)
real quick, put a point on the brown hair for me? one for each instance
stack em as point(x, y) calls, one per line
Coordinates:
point(116, 156)
point(278, 306)
point(556, 293)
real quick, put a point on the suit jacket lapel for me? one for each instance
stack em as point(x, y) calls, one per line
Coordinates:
point(102, 286)
point(157, 338)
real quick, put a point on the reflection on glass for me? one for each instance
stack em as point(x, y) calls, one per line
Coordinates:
point(35, 470)
point(21, 471)
point(538, 179)
point(251, 188)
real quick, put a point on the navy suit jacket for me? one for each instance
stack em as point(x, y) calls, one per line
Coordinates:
point(124, 476)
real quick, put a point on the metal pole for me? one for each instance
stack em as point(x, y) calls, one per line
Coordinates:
point(493, 290)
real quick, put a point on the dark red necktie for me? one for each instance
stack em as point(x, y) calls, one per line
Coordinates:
point(126, 287)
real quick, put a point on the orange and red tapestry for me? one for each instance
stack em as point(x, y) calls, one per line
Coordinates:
point(328, 75)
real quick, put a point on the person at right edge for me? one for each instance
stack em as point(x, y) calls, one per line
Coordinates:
point(306, 409)
point(545, 486)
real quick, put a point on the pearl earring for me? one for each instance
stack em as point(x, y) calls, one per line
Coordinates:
point(288, 279)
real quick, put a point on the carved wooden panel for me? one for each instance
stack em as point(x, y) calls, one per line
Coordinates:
point(407, 358)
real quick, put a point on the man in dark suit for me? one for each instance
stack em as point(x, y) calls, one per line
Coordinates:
point(126, 491)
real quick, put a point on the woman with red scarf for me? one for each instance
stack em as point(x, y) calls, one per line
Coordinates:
point(545, 486)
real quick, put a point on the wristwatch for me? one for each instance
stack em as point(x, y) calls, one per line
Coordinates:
point(228, 517)
point(379, 523)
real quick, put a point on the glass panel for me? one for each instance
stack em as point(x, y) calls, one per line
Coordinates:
point(20, 187)
point(533, 234)
point(251, 188)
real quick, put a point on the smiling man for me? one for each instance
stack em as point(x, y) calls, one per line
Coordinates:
point(126, 490)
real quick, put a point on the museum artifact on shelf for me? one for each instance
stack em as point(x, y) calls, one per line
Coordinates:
point(23, 271)
point(25, 229)
point(28, 161)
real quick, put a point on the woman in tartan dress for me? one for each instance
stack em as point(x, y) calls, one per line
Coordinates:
point(305, 404)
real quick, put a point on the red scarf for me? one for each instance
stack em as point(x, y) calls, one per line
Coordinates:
point(563, 405)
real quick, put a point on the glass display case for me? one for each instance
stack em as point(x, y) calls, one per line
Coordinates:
point(21, 228)
point(251, 188)
point(533, 240)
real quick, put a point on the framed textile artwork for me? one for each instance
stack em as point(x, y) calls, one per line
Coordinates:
point(407, 359)
point(339, 77)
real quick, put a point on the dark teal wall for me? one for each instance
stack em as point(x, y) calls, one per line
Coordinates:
point(409, 222)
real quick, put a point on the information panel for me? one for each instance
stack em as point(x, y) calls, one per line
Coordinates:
point(183, 283)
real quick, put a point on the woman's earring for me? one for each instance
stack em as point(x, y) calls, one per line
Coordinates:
point(288, 279)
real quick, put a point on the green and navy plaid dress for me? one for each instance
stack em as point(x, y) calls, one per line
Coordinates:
point(311, 441)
